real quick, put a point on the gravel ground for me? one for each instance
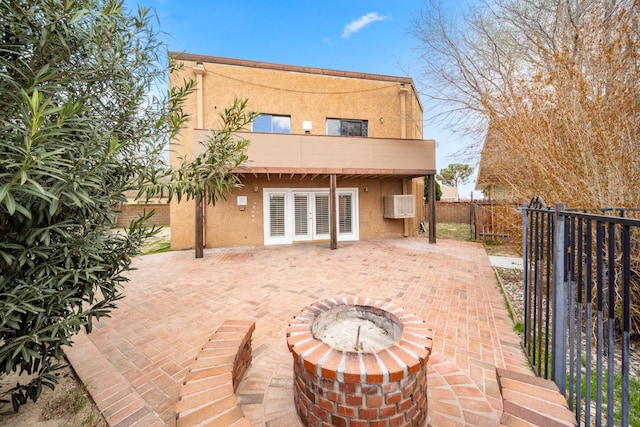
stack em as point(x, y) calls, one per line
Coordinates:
point(512, 284)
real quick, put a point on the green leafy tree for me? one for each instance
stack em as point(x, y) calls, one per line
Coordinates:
point(78, 128)
point(210, 176)
point(455, 174)
point(426, 189)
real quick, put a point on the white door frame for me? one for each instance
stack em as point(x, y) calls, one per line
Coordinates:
point(287, 234)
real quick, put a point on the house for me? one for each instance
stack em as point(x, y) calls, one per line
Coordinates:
point(493, 176)
point(449, 194)
point(321, 132)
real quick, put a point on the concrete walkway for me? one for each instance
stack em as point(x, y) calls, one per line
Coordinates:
point(506, 262)
point(133, 363)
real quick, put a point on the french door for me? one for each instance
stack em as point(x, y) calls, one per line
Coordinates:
point(297, 215)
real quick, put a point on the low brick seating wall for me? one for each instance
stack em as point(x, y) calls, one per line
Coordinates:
point(532, 401)
point(207, 396)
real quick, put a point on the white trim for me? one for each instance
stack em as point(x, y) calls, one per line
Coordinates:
point(309, 233)
point(355, 214)
point(289, 214)
point(268, 239)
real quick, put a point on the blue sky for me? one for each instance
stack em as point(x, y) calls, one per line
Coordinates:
point(370, 36)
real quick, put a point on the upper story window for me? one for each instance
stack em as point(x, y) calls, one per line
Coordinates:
point(347, 127)
point(272, 123)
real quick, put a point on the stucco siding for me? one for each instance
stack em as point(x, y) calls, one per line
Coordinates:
point(385, 162)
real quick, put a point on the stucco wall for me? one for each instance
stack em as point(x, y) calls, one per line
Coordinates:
point(390, 105)
point(303, 96)
point(228, 225)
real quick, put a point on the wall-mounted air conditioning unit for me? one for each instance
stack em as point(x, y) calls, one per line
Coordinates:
point(400, 206)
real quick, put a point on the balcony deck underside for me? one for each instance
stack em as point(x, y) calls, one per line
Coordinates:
point(324, 173)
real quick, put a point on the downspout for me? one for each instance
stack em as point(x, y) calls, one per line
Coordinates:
point(402, 92)
point(199, 71)
point(403, 110)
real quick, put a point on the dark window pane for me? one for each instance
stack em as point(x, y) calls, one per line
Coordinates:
point(344, 127)
point(351, 128)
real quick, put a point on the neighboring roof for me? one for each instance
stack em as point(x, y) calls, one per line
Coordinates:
point(485, 177)
point(291, 68)
point(491, 157)
point(449, 193)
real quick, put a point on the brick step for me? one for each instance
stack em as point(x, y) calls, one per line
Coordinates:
point(528, 400)
point(207, 396)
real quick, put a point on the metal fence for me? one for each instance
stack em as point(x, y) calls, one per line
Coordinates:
point(578, 271)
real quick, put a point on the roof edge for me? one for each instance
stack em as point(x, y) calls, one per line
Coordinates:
point(283, 67)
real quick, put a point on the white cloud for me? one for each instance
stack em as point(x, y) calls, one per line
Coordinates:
point(358, 24)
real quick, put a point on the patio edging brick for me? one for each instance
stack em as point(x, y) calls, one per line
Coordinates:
point(212, 375)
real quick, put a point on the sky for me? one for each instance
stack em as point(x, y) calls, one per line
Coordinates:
point(371, 36)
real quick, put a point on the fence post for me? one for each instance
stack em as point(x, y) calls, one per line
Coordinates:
point(525, 269)
point(559, 321)
point(525, 228)
point(432, 208)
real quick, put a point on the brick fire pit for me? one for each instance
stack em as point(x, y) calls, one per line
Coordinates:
point(359, 380)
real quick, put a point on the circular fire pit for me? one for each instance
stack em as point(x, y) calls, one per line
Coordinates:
point(358, 360)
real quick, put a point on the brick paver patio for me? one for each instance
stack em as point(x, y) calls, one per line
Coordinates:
point(133, 363)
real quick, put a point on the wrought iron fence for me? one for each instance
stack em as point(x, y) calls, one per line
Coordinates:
point(578, 272)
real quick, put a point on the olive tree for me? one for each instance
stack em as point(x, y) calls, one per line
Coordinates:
point(212, 174)
point(79, 126)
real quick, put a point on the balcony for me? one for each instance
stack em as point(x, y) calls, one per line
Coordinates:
point(309, 154)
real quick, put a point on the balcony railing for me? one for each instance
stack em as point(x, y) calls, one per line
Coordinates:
point(295, 153)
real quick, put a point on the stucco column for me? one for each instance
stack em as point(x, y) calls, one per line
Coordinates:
point(199, 71)
point(402, 92)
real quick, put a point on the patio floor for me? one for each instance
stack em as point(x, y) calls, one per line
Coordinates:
point(133, 363)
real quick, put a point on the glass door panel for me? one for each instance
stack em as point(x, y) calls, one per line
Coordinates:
point(345, 213)
point(302, 216)
point(277, 215)
point(321, 223)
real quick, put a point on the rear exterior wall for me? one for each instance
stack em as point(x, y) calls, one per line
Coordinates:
point(226, 224)
point(305, 97)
